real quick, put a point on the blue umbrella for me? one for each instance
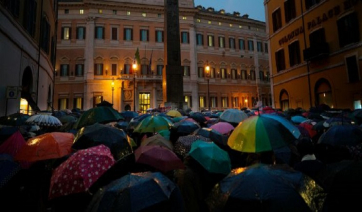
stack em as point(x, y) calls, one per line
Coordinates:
point(8, 168)
point(342, 135)
point(287, 124)
point(128, 115)
point(298, 119)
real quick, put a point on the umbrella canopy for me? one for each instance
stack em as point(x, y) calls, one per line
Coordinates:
point(337, 121)
point(122, 125)
point(177, 119)
point(222, 127)
point(136, 120)
point(266, 188)
point(211, 157)
point(67, 119)
point(298, 119)
point(153, 124)
point(286, 123)
point(80, 171)
point(159, 157)
point(46, 146)
point(309, 127)
point(15, 119)
point(173, 113)
point(13, 144)
point(342, 135)
point(137, 192)
point(183, 144)
point(198, 116)
point(267, 110)
point(157, 140)
point(213, 135)
point(128, 115)
point(98, 115)
point(44, 120)
point(93, 135)
point(233, 116)
point(6, 132)
point(186, 127)
point(8, 168)
point(260, 133)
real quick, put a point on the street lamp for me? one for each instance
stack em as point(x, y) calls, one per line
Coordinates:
point(207, 69)
point(112, 84)
point(134, 68)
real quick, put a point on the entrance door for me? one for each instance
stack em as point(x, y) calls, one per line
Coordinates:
point(144, 100)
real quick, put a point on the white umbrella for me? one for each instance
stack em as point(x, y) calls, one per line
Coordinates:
point(233, 116)
point(46, 120)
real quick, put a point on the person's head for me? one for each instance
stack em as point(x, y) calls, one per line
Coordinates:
point(305, 147)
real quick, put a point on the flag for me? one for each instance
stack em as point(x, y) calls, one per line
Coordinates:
point(137, 57)
point(149, 66)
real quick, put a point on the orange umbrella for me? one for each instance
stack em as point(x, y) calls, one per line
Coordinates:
point(46, 146)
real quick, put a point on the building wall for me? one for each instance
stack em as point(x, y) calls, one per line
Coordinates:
point(120, 52)
point(300, 80)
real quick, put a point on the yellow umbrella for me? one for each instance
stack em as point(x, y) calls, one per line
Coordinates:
point(174, 113)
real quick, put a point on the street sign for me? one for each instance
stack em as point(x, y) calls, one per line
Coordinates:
point(11, 92)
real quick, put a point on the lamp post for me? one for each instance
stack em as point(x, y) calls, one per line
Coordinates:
point(207, 69)
point(112, 84)
point(134, 68)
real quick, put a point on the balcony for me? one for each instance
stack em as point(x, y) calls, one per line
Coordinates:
point(316, 52)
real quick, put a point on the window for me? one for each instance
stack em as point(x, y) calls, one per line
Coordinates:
point(159, 70)
point(45, 35)
point(184, 17)
point(241, 44)
point(213, 101)
point(98, 69)
point(243, 75)
point(317, 37)
point(212, 73)
point(114, 12)
point(144, 35)
point(280, 60)
point(64, 70)
point(63, 103)
point(12, 5)
point(210, 40)
point(188, 100)
point(224, 102)
point(186, 70)
point(128, 12)
point(145, 100)
point(159, 15)
point(127, 69)
point(200, 71)
point(144, 69)
point(30, 13)
point(81, 11)
point(348, 29)
point(261, 75)
point(259, 46)
point(202, 101)
point(252, 75)
point(266, 48)
point(352, 69)
point(294, 53)
point(114, 69)
point(97, 99)
point(184, 37)
point(100, 11)
point(267, 76)
point(232, 43)
point(79, 70)
point(80, 33)
point(209, 22)
point(235, 101)
point(289, 10)
point(99, 32)
point(114, 33)
point(221, 42)
point(199, 39)
point(250, 45)
point(144, 14)
point(277, 20)
point(128, 34)
point(233, 73)
point(223, 73)
point(66, 11)
point(78, 103)
point(310, 3)
point(159, 36)
point(66, 33)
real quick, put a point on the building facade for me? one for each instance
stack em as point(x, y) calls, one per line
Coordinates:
point(98, 40)
point(27, 55)
point(315, 53)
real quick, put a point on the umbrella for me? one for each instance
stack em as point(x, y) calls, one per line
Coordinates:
point(67, 119)
point(212, 134)
point(186, 127)
point(144, 191)
point(183, 144)
point(286, 123)
point(46, 146)
point(267, 110)
point(223, 127)
point(198, 116)
point(309, 127)
point(337, 121)
point(13, 144)
point(260, 133)
point(59, 114)
point(136, 120)
point(15, 119)
point(177, 119)
point(298, 119)
point(122, 125)
point(8, 168)
point(342, 135)
point(159, 157)
point(128, 115)
point(233, 116)
point(157, 140)
point(80, 171)
point(266, 188)
point(93, 135)
point(153, 124)
point(173, 113)
point(98, 114)
point(211, 157)
point(44, 120)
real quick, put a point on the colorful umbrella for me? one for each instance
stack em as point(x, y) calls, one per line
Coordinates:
point(46, 146)
point(157, 140)
point(211, 157)
point(78, 173)
point(258, 134)
point(136, 120)
point(223, 127)
point(98, 115)
point(233, 116)
point(153, 124)
point(173, 113)
point(159, 157)
point(45, 120)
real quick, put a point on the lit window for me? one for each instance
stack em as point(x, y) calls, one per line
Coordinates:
point(81, 12)
point(128, 12)
point(219, 23)
point(198, 20)
point(184, 17)
point(209, 22)
point(100, 11)
point(240, 27)
point(230, 25)
point(144, 14)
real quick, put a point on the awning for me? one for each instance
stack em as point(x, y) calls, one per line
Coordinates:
point(31, 102)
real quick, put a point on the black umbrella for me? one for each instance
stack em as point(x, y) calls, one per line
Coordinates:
point(199, 117)
point(186, 127)
point(183, 144)
point(15, 119)
point(213, 135)
point(116, 139)
point(144, 191)
point(342, 135)
point(266, 188)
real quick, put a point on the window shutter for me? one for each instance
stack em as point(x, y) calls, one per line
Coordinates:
point(70, 33)
point(131, 34)
point(148, 37)
point(103, 32)
point(84, 32)
point(62, 35)
point(188, 37)
point(140, 34)
point(124, 34)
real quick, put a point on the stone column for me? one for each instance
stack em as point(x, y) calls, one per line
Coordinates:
point(193, 70)
point(88, 62)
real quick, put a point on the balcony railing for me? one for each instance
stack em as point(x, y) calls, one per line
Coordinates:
point(316, 52)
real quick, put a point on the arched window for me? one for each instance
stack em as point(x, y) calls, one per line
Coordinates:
point(284, 100)
point(323, 93)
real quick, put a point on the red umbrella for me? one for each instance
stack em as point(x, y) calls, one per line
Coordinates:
point(13, 144)
point(78, 173)
point(222, 127)
point(267, 110)
point(309, 127)
point(158, 157)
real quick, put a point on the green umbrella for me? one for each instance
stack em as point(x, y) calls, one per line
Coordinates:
point(153, 124)
point(97, 115)
point(211, 157)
